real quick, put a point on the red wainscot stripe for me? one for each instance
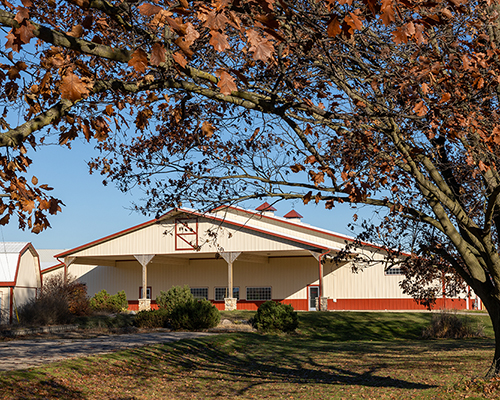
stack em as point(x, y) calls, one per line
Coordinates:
point(300, 304)
point(393, 304)
point(133, 305)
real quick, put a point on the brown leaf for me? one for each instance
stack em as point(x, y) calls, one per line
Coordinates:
point(334, 27)
point(420, 109)
point(179, 59)
point(226, 82)
point(34, 180)
point(72, 87)
point(5, 219)
point(22, 14)
point(148, 9)
point(297, 168)
point(76, 31)
point(139, 61)
point(307, 198)
point(157, 54)
point(207, 129)
point(25, 32)
point(219, 41)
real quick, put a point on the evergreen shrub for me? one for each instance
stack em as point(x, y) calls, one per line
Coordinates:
point(275, 317)
point(175, 296)
point(194, 315)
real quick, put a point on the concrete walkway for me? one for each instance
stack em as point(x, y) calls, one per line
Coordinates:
point(22, 354)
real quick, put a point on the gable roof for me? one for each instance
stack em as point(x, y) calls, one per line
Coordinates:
point(10, 253)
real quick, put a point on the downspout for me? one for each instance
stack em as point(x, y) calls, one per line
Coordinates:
point(11, 305)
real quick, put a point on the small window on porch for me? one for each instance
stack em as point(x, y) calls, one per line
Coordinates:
point(148, 292)
point(200, 293)
point(394, 271)
point(259, 293)
point(221, 293)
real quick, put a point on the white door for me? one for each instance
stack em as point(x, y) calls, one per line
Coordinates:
point(313, 295)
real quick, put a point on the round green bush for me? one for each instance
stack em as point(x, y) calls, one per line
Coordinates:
point(103, 301)
point(276, 317)
point(152, 319)
point(194, 315)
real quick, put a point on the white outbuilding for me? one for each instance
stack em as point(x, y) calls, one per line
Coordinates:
point(20, 277)
point(239, 258)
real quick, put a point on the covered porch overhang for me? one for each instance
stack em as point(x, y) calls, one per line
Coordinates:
point(185, 258)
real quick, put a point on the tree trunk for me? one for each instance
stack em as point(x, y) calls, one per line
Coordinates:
point(492, 304)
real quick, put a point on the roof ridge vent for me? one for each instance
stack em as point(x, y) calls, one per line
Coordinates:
point(293, 216)
point(266, 209)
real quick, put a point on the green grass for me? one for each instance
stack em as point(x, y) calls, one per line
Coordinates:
point(333, 356)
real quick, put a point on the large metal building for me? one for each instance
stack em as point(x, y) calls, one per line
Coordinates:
point(239, 258)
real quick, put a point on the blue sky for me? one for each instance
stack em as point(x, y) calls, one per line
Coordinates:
point(93, 210)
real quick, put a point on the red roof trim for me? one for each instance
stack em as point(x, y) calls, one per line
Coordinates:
point(293, 214)
point(54, 267)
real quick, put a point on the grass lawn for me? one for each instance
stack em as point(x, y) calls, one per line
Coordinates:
point(333, 356)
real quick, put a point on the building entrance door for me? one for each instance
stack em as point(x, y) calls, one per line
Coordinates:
point(313, 295)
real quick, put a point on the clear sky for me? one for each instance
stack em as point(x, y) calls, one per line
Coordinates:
point(93, 210)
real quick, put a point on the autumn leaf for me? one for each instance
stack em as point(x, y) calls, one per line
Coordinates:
point(219, 41)
point(207, 129)
point(297, 168)
point(226, 82)
point(179, 59)
point(73, 88)
point(420, 109)
point(157, 54)
point(307, 198)
point(139, 61)
point(334, 27)
point(149, 9)
point(445, 98)
point(76, 31)
point(34, 180)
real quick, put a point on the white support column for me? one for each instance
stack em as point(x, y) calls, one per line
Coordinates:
point(144, 260)
point(230, 257)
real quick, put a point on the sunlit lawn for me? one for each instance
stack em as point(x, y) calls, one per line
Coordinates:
point(325, 360)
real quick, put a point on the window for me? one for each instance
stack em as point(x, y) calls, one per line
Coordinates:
point(148, 292)
point(221, 293)
point(200, 293)
point(394, 271)
point(259, 293)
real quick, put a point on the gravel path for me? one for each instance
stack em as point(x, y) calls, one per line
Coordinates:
point(22, 354)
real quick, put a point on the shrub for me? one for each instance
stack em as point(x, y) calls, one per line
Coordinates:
point(194, 315)
point(59, 302)
point(175, 296)
point(152, 318)
point(103, 301)
point(275, 317)
point(449, 325)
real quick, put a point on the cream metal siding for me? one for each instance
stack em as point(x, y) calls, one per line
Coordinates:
point(4, 305)
point(29, 271)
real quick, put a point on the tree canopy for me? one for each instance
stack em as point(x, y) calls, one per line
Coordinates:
point(389, 103)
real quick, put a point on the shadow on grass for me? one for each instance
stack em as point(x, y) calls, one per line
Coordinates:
point(245, 361)
point(35, 385)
